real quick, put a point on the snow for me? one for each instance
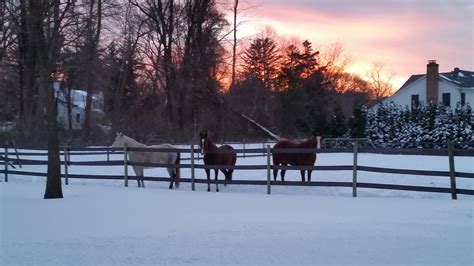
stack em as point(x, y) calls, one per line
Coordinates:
point(446, 78)
point(100, 222)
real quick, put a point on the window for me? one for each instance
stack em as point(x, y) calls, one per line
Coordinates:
point(415, 100)
point(447, 99)
point(78, 118)
point(463, 98)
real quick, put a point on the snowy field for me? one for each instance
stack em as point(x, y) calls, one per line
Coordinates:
point(100, 222)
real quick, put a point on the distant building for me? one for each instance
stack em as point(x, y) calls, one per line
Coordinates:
point(78, 107)
point(445, 88)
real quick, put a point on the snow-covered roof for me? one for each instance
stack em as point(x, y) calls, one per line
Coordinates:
point(458, 77)
point(78, 97)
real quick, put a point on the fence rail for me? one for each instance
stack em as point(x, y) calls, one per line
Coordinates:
point(67, 152)
point(260, 151)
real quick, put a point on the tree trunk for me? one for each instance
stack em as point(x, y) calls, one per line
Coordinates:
point(92, 42)
point(234, 45)
point(53, 181)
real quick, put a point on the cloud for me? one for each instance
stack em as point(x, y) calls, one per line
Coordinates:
point(404, 34)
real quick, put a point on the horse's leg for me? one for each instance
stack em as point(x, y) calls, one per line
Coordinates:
point(172, 178)
point(309, 175)
point(142, 177)
point(302, 174)
point(138, 172)
point(283, 171)
point(229, 174)
point(226, 176)
point(216, 172)
point(208, 179)
point(275, 173)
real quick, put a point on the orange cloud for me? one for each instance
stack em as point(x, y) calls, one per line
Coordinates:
point(403, 36)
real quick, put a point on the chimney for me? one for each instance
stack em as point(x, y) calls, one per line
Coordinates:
point(432, 76)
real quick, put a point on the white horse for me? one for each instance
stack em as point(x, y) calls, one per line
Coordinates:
point(150, 157)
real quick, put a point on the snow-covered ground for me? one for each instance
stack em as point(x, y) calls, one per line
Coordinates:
point(100, 222)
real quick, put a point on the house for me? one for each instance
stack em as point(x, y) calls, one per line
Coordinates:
point(78, 107)
point(447, 88)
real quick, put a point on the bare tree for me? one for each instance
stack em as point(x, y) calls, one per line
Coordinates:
point(8, 62)
point(132, 30)
point(162, 16)
point(45, 24)
point(7, 36)
point(379, 81)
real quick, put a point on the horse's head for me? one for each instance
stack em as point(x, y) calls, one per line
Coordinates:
point(119, 141)
point(203, 142)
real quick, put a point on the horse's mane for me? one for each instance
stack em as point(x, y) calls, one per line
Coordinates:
point(133, 143)
point(211, 145)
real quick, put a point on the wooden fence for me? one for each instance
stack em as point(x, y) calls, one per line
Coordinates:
point(11, 158)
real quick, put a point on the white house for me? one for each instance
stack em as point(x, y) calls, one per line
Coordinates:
point(446, 88)
point(78, 106)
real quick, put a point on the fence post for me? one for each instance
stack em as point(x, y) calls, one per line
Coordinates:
point(16, 152)
point(269, 188)
point(354, 170)
point(66, 178)
point(452, 174)
point(125, 165)
point(108, 154)
point(6, 163)
point(244, 148)
point(193, 186)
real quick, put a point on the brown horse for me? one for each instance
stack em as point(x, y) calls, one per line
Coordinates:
point(296, 159)
point(213, 155)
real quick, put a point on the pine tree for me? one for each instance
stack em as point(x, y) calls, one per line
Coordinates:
point(358, 122)
point(337, 126)
point(261, 61)
point(463, 123)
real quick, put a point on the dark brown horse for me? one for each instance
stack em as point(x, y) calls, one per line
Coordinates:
point(213, 155)
point(296, 159)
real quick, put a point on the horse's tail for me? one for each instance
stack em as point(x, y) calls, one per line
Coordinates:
point(178, 169)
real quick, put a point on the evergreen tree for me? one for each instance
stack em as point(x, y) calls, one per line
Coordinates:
point(303, 94)
point(261, 61)
point(337, 125)
point(298, 66)
point(463, 123)
point(422, 125)
point(358, 122)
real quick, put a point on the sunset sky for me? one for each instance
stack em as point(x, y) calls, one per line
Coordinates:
point(403, 34)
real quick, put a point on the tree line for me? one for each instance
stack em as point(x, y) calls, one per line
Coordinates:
point(167, 69)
